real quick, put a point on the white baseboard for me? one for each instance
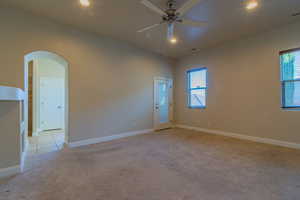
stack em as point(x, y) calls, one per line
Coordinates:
point(243, 137)
point(108, 138)
point(10, 171)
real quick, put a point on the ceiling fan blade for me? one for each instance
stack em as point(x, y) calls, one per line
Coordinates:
point(148, 28)
point(153, 7)
point(187, 6)
point(194, 23)
point(170, 31)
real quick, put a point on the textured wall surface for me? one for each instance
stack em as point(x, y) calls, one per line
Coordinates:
point(110, 82)
point(9, 134)
point(244, 89)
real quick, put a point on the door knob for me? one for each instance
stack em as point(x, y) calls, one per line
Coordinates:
point(59, 107)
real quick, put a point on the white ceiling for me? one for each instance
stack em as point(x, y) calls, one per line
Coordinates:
point(120, 19)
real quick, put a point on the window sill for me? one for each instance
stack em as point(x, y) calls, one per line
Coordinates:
point(200, 107)
point(297, 108)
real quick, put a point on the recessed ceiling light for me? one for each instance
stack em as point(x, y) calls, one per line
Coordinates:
point(173, 40)
point(85, 3)
point(251, 4)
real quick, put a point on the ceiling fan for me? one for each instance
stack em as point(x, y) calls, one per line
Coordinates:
point(172, 15)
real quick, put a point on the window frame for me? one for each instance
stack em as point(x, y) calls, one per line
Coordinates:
point(189, 89)
point(283, 82)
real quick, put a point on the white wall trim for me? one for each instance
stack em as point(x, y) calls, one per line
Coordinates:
point(10, 171)
point(11, 94)
point(23, 156)
point(108, 138)
point(243, 137)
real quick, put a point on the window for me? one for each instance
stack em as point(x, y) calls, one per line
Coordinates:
point(290, 78)
point(197, 88)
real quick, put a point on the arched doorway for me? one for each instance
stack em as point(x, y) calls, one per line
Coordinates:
point(46, 106)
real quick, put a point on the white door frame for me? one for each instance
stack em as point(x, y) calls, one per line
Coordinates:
point(45, 54)
point(156, 125)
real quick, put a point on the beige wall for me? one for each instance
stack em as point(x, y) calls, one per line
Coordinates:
point(9, 134)
point(244, 87)
point(110, 82)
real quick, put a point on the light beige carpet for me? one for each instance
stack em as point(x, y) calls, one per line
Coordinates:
point(170, 165)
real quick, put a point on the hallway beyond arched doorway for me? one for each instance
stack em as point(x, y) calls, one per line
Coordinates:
point(46, 103)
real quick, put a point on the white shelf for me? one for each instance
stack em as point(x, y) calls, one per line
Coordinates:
point(11, 94)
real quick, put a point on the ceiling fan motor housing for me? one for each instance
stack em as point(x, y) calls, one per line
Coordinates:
point(171, 4)
point(171, 12)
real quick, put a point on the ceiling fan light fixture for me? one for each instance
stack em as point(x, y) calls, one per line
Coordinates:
point(85, 3)
point(173, 40)
point(251, 5)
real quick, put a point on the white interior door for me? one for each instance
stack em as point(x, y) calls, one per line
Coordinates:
point(51, 103)
point(163, 99)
